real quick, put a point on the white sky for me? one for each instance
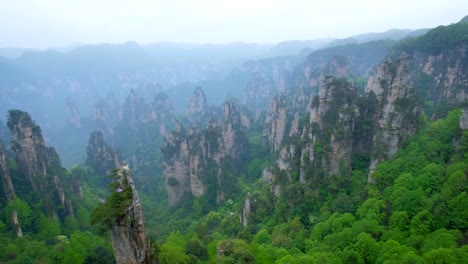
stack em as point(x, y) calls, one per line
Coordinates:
point(49, 23)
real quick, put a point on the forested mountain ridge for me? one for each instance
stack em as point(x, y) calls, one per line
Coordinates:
point(327, 137)
point(353, 154)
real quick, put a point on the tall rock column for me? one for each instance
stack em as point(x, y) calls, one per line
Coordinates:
point(99, 155)
point(40, 166)
point(130, 241)
point(397, 112)
point(8, 190)
point(5, 179)
point(28, 145)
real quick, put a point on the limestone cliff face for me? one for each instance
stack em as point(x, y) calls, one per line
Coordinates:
point(29, 147)
point(100, 155)
point(134, 109)
point(276, 122)
point(102, 120)
point(5, 179)
point(177, 166)
point(323, 146)
point(106, 115)
point(464, 119)
point(268, 78)
point(397, 112)
point(4, 134)
point(335, 129)
point(139, 133)
point(236, 121)
point(198, 160)
point(130, 241)
point(39, 165)
point(306, 81)
point(197, 110)
point(332, 124)
point(441, 77)
point(74, 117)
point(160, 112)
point(244, 215)
point(297, 76)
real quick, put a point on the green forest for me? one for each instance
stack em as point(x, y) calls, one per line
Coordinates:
point(254, 196)
point(415, 213)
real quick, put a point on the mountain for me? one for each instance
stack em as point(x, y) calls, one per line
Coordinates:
point(293, 47)
point(347, 154)
point(464, 20)
point(355, 139)
point(392, 34)
point(12, 53)
point(203, 160)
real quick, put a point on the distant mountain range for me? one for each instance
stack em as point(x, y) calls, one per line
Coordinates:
point(173, 52)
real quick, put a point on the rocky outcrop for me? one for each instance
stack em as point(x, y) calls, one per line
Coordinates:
point(140, 134)
point(102, 121)
point(130, 241)
point(74, 117)
point(317, 144)
point(332, 124)
point(134, 109)
point(397, 112)
point(197, 110)
point(28, 144)
point(100, 155)
point(107, 113)
point(16, 224)
point(268, 78)
point(160, 113)
point(198, 161)
point(39, 165)
point(464, 119)
point(246, 211)
point(4, 134)
point(442, 77)
point(177, 166)
point(277, 118)
point(300, 77)
point(5, 179)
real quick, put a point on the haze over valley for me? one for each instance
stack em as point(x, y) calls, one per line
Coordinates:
point(233, 132)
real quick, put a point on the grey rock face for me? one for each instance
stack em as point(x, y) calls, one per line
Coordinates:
point(29, 147)
point(195, 157)
point(5, 179)
point(464, 119)
point(128, 234)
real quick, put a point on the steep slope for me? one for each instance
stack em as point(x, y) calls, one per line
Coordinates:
point(346, 128)
point(201, 160)
point(139, 135)
point(121, 215)
point(40, 165)
point(128, 233)
point(100, 155)
point(5, 178)
point(297, 76)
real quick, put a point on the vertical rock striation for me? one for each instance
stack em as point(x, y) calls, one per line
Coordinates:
point(74, 117)
point(5, 179)
point(100, 155)
point(199, 160)
point(130, 241)
point(39, 165)
point(197, 110)
point(28, 144)
point(397, 112)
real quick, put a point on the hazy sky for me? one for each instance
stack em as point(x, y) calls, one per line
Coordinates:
point(48, 23)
